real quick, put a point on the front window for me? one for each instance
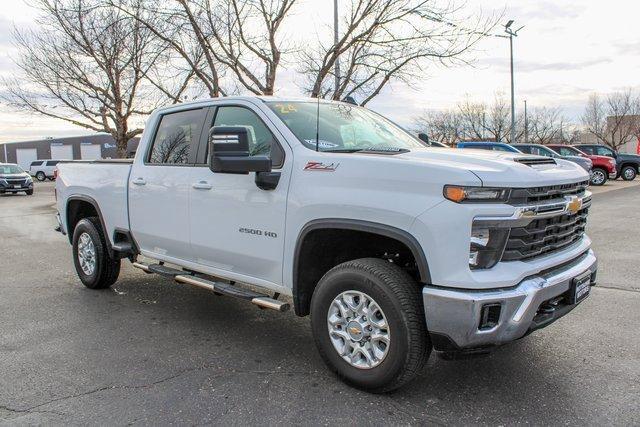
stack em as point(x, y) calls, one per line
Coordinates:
point(602, 151)
point(342, 127)
point(10, 169)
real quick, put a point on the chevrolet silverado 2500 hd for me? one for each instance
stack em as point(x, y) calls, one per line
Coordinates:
point(391, 247)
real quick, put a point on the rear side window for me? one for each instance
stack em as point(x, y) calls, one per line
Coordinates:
point(176, 135)
point(524, 149)
point(36, 163)
point(588, 150)
point(52, 162)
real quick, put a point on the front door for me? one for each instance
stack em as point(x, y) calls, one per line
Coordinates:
point(237, 229)
point(159, 186)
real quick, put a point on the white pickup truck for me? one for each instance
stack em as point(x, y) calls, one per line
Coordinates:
point(393, 248)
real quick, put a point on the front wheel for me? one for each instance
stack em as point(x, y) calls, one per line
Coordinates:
point(598, 176)
point(95, 267)
point(368, 324)
point(29, 192)
point(628, 173)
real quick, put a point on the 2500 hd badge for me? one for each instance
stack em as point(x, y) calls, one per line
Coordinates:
point(257, 232)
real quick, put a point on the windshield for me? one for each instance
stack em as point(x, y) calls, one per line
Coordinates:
point(10, 169)
point(342, 127)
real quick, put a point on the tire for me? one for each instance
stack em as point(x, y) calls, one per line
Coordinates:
point(628, 173)
point(400, 301)
point(40, 176)
point(29, 192)
point(599, 176)
point(105, 268)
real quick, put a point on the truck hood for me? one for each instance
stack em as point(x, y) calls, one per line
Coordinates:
point(500, 169)
point(13, 175)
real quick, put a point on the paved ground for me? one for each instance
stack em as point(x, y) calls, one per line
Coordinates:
point(149, 351)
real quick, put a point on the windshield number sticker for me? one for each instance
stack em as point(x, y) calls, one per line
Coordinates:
point(286, 108)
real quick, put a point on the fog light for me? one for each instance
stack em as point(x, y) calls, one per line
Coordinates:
point(490, 316)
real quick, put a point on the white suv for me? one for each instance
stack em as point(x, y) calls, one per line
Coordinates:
point(43, 169)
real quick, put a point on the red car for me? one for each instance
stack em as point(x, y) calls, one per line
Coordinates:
point(603, 166)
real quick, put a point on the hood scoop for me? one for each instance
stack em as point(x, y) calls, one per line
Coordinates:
point(535, 161)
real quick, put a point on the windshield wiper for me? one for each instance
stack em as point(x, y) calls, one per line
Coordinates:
point(382, 150)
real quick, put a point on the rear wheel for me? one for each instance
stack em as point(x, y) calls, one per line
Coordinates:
point(598, 176)
point(95, 267)
point(368, 324)
point(40, 176)
point(628, 173)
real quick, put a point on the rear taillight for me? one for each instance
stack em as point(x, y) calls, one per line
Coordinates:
point(55, 173)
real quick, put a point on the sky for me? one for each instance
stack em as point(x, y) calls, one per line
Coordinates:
point(567, 50)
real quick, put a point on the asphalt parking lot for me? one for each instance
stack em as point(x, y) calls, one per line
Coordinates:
point(150, 351)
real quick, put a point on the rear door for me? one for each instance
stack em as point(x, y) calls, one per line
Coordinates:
point(237, 229)
point(159, 186)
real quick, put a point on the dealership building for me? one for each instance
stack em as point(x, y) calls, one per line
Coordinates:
point(90, 147)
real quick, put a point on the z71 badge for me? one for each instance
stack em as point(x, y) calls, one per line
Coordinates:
point(321, 167)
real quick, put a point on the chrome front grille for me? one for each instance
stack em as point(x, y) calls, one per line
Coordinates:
point(545, 235)
point(547, 194)
point(15, 181)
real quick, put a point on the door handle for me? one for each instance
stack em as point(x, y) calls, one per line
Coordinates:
point(139, 181)
point(202, 185)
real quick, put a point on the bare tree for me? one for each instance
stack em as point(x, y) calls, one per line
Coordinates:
point(85, 64)
point(488, 122)
point(545, 125)
point(442, 126)
point(216, 39)
point(613, 120)
point(387, 40)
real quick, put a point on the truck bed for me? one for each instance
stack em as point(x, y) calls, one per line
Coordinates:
point(104, 183)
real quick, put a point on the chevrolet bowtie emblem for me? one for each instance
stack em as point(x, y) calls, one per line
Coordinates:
point(354, 330)
point(574, 205)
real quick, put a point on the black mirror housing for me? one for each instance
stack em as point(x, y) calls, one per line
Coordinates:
point(229, 152)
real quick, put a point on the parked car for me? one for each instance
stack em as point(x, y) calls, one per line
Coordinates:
point(494, 146)
point(627, 165)
point(13, 179)
point(391, 247)
point(603, 167)
point(43, 169)
point(543, 150)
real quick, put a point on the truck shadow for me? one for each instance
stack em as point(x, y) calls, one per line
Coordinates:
point(232, 338)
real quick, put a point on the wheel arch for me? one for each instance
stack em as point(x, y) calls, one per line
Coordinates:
point(79, 207)
point(302, 291)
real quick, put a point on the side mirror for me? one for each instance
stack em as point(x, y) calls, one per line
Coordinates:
point(424, 137)
point(229, 152)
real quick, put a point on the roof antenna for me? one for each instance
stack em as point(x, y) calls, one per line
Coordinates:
point(318, 122)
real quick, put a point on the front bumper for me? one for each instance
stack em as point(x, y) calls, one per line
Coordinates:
point(453, 316)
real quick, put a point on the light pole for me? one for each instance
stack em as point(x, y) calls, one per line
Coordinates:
point(526, 124)
point(512, 34)
point(335, 43)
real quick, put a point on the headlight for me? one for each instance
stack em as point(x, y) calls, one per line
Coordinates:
point(3, 181)
point(612, 162)
point(486, 246)
point(461, 194)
